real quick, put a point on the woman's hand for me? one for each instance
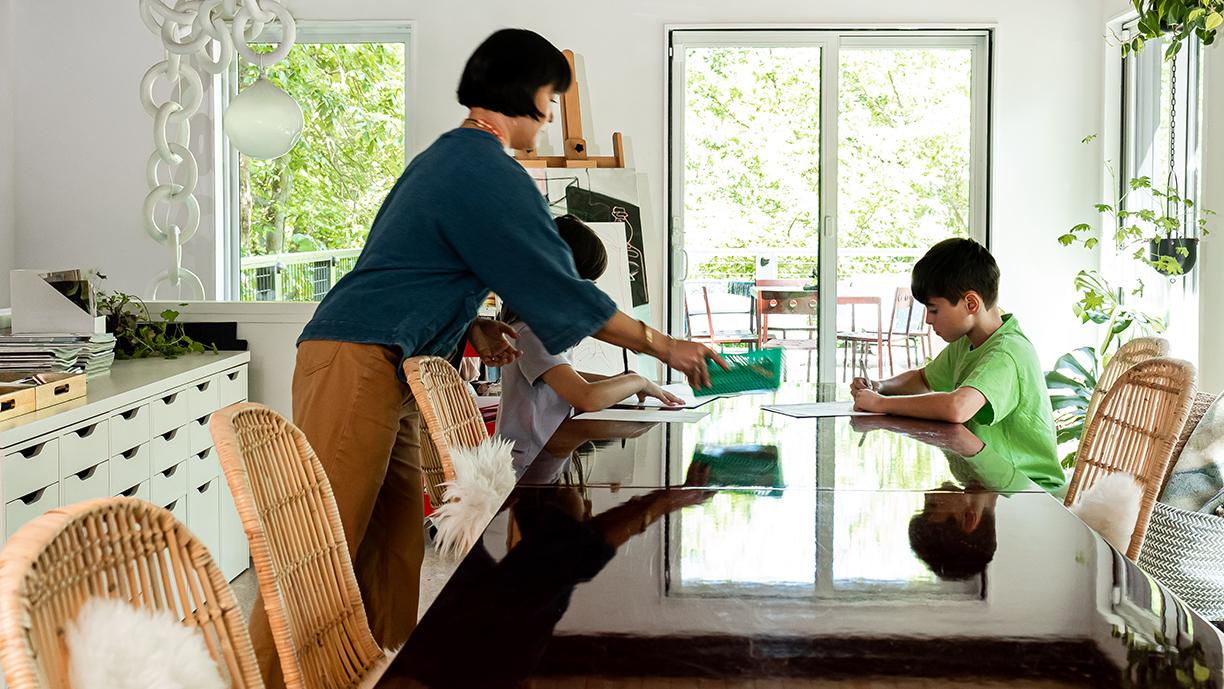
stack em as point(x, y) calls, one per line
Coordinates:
point(689, 358)
point(652, 390)
point(690, 494)
point(488, 338)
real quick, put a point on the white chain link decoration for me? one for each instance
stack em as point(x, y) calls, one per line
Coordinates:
point(196, 29)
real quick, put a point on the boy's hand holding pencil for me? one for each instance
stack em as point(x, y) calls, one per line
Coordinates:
point(866, 392)
point(864, 382)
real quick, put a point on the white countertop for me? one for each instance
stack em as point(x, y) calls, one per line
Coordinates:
point(128, 382)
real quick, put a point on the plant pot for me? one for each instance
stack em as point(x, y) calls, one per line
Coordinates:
point(1169, 247)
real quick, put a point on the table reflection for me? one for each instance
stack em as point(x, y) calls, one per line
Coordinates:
point(751, 545)
point(745, 583)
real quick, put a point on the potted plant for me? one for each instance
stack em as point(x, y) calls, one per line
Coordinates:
point(1157, 236)
point(1175, 20)
point(137, 334)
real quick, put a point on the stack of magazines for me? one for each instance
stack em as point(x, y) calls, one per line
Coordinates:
point(92, 354)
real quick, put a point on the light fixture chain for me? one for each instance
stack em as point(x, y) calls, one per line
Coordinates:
point(199, 29)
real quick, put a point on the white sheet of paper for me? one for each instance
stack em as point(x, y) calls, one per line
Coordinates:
point(681, 390)
point(647, 415)
point(817, 410)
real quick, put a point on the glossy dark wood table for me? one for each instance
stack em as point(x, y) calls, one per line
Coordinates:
point(751, 546)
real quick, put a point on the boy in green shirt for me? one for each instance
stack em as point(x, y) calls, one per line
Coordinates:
point(988, 377)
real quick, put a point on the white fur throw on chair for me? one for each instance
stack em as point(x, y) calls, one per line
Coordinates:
point(1110, 507)
point(484, 478)
point(113, 644)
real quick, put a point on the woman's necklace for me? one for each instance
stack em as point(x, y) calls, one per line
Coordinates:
point(481, 124)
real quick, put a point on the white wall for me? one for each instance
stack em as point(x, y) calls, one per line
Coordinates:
point(1211, 251)
point(83, 142)
point(8, 246)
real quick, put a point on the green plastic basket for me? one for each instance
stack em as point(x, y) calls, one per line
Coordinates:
point(759, 370)
point(741, 466)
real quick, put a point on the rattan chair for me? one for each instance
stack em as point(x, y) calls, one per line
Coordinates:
point(301, 557)
point(114, 547)
point(1129, 354)
point(450, 415)
point(1134, 431)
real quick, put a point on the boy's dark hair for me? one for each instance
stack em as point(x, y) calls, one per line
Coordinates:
point(505, 71)
point(951, 553)
point(954, 267)
point(590, 256)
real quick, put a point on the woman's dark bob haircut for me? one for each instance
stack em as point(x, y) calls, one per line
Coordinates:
point(507, 70)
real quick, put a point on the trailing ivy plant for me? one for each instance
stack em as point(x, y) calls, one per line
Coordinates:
point(137, 335)
point(1175, 20)
point(1135, 229)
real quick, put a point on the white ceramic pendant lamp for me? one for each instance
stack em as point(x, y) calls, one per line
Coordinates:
point(263, 121)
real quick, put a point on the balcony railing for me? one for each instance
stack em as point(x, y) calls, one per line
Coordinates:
point(748, 263)
point(310, 275)
point(305, 276)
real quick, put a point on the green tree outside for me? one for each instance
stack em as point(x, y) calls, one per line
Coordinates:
point(752, 154)
point(324, 193)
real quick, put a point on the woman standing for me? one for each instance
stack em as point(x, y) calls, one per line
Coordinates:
point(463, 219)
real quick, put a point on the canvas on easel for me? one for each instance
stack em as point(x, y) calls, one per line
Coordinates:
point(602, 195)
point(593, 206)
point(591, 355)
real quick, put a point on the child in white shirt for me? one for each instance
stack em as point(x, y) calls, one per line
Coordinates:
point(539, 390)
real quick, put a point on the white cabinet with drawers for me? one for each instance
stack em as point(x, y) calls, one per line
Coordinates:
point(141, 431)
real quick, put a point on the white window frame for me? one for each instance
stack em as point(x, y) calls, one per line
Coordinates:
point(677, 38)
point(1123, 156)
point(229, 261)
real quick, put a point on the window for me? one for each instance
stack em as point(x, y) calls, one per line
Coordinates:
point(820, 159)
point(1160, 97)
point(296, 224)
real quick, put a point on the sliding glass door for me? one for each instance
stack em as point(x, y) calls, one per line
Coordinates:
point(808, 171)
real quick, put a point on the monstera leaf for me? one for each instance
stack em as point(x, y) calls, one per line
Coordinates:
point(1070, 385)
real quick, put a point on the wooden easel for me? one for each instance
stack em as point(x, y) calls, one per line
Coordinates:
point(571, 130)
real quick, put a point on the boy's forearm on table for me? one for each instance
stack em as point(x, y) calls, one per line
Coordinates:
point(908, 383)
point(937, 406)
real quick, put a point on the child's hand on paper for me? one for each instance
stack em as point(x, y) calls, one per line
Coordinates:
point(867, 400)
point(653, 390)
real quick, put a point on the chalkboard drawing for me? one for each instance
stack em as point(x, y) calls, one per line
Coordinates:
point(592, 206)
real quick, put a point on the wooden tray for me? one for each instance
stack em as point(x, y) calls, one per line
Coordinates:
point(49, 390)
point(16, 400)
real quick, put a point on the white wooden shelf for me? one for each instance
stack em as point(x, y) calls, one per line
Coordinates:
point(140, 431)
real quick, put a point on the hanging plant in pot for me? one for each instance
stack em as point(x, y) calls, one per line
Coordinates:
point(1182, 251)
point(1176, 252)
point(1175, 20)
point(1159, 238)
point(1166, 235)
